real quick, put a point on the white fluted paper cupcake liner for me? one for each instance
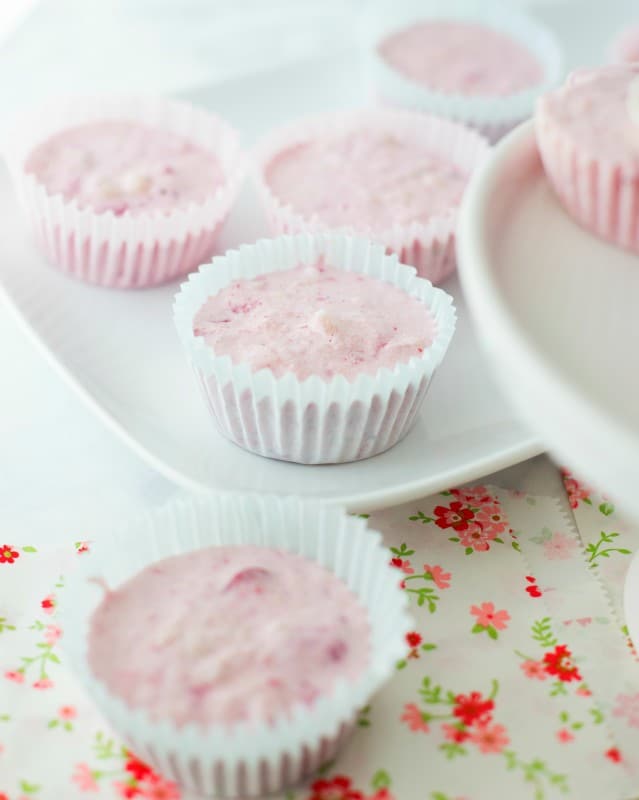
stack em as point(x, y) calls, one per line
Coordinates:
point(493, 116)
point(428, 246)
point(314, 421)
point(601, 195)
point(128, 251)
point(250, 759)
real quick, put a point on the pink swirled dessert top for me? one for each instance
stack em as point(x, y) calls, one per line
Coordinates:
point(228, 634)
point(460, 57)
point(122, 166)
point(315, 320)
point(365, 178)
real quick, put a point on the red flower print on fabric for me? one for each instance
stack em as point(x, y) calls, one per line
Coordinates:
point(137, 768)
point(8, 555)
point(82, 547)
point(156, 788)
point(453, 733)
point(126, 790)
point(413, 639)
point(43, 683)
point(614, 754)
point(472, 708)
point(558, 663)
point(402, 564)
point(565, 736)
point(489, 737)
point(532, 589)
point(338, 788)
point(412, 716)
point(14, 675)
point(48, 604)
point(455, 516)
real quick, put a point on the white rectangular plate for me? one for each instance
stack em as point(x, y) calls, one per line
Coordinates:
point(120, 351)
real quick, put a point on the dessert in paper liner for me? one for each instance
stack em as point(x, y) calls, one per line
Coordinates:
point(249, 759)
point(313, 421)
point(127, 251)
point(428, 246)
point(492, 115)
point(599, 193)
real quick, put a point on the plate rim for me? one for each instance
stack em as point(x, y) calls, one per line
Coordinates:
point(498, 328)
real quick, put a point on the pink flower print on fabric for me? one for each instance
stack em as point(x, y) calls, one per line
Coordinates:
point(489, 737)
point(83, 778)
point(474, 496)
point(412, 716)
point(492, 520)
point(627, 707)
point(576, 491)
point(440, 578)
point(476, 537)
point(52, 633)
point(534, 669)
point(488, 616)
point(564, 736)
point(559, 547)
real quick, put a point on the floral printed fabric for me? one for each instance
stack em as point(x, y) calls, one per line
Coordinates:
point(517, 680)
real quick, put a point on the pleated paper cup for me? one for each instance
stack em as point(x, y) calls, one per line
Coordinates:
point(427, 245)
point(492, 115)
point(602, 195)
point(248, 759)
point(314, 421)
point(131, 250)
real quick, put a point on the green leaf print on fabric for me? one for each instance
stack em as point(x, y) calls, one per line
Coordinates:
point(5, 626)
point(363, 718)
point(381, 780)
point(38, 663)
point(606, 509)
point(597, 550)
point(542, 632)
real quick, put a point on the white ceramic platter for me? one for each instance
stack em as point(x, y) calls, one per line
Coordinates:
point(120, 351)
point(558, 310)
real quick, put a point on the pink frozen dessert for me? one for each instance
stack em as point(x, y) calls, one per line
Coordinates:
point(122, 166)
point(227, 635)
point(315, 321)
point(461, 57)
point(365, 179)
point(625, 48)
point(588, 137)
